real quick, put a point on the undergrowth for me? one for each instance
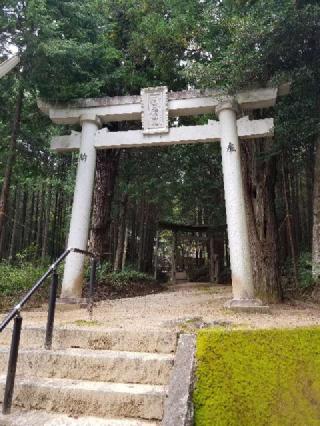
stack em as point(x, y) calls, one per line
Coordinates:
point(15, 279)
point(121, 279)
point(18, 277)
point(305, 277)
point(127, 277)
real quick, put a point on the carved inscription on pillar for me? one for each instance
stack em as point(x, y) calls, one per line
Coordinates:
point(154, 101)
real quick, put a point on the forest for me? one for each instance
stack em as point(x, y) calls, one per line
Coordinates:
point(93, 48)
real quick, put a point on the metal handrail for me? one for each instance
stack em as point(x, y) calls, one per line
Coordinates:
point(15, 314)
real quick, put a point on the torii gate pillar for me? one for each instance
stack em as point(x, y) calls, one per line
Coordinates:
point(81, 210)
point(240, 259)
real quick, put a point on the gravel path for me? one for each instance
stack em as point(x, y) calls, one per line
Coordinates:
point(189, 307)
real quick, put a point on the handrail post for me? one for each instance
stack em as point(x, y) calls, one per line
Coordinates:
point(51, 309)
point(12, 365)
point(92, 284)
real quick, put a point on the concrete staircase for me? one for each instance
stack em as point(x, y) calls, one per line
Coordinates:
point(91, 377)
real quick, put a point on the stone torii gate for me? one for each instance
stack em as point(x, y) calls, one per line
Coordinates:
point(154, 107)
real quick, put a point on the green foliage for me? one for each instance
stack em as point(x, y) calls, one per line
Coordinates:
point(254, 43)
point(198, 274)
point(103, 270)
point(28, 255)
point(177, 180)
point(118, 279)
point(306, 279)
point(73, 49)
point(17, 279)
point(123, 279)
point(264, 377)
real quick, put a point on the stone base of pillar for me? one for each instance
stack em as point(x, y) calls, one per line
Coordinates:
point(247, 305)
point(70, 304)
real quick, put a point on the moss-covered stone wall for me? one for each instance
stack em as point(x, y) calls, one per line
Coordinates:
point(258, 378)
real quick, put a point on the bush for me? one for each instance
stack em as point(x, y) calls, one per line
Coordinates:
point(103, 270)
point(198, 274)
point(306, 281)
point(117, 280)
point(123, 279)
point(27, 255)
point(17, 279)
point(305, 271)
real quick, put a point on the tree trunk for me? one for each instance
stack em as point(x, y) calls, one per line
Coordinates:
point(316, 216)
point(54, 233)
point(259, 189)
point(23, 218)
point(173, 257)
point(14, 227)
point(133, 246)
point(211, 260)
point(149, 246)
point(40, 219)
point(29, 218)
point(310, 165)
point(297, 215)
point(142, 213)
point(121, 232)
point(44, 250)
point(156, 254)
point(59, 244)
point(125, 248)
point(5, 191)
point(106, 173)
point(290, 230)
point(302, 202)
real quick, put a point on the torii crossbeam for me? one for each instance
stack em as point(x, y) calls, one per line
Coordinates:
point(153, 107)
point(8, 65)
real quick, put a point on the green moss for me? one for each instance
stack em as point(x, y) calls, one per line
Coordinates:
point(258, 378)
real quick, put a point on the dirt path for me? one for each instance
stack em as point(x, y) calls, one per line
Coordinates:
point(181, 309)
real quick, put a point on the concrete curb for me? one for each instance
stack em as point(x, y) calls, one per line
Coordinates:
point(178, 408)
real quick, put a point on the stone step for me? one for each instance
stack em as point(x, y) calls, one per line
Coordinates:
point(20, 417)
point(84, 398)
point(86, 364)
point(112, 339)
